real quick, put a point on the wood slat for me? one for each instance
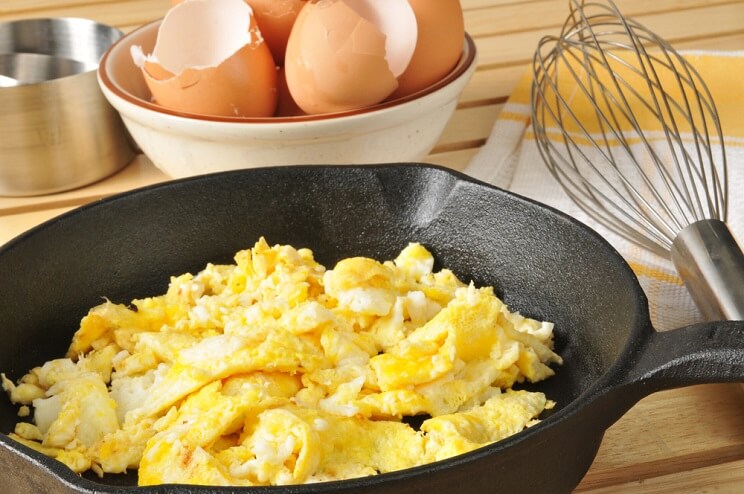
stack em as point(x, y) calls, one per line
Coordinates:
point(726, 478)
point(676, 27)
point(18, 6)
point(138, 173)
point(483, 17)
point(551, 14)
point(457, 160)
point(115, 13)
point(662, 444)
point(9, 6)
point(727, 42)
point(491, 85)
point(480, 4)
point(468, 127)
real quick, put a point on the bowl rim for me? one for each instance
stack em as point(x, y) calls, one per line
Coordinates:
point(466, 60)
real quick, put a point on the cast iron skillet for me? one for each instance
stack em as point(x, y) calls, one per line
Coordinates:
point(541, 262)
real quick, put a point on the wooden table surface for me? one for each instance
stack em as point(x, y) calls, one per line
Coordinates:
point(682, 441)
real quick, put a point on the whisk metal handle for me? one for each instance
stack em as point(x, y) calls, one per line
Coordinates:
point(711, 264)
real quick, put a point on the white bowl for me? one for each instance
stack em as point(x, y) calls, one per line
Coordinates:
point(187, 144)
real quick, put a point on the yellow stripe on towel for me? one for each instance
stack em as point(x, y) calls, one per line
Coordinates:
point(655, 273)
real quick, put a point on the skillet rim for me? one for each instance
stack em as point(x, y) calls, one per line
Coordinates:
point(638, 333)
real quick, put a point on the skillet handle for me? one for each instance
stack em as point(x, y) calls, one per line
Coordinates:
point(711, 352)
point(699, 354)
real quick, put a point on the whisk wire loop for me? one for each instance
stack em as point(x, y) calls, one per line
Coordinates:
point(673, 135)
point(556, 113)
point(591, 199)
point(628, 127)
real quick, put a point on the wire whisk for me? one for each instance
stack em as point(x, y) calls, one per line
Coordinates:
point(630, 130)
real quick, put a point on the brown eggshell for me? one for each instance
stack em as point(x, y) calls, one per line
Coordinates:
point(441, 33)
point(275, 19)
point(215, 74)
point(335, 60)
point(286, 106)
point(244, 85)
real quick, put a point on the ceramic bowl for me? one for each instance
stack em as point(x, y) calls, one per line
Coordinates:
point(187, 144)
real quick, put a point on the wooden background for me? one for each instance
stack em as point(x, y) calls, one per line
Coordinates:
point(679, 442)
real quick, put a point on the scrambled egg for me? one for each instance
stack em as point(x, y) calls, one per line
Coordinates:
point(275, 370)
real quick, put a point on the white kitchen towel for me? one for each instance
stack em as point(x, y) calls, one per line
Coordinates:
point(510, 159)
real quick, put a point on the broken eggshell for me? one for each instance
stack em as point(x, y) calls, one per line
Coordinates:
point(441, 34)
point(210, 58)
point(347, 54)
point(275, 19)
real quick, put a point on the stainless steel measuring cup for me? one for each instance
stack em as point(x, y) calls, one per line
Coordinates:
point(57, 131)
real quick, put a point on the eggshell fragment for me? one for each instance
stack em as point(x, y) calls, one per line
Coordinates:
point(339, 56)
point(210, 59)
point(397, 21)
point(441, 33)
point(275, 19)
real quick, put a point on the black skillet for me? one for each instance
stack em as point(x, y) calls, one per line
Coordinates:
point(541, 262)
